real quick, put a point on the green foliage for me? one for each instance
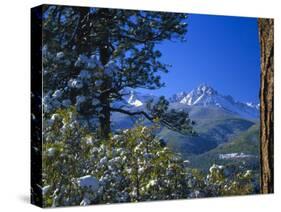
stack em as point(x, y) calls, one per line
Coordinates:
point(157, 172)
point(220, 181)
point(66, 156)
point(132, 165)
point(172, 119)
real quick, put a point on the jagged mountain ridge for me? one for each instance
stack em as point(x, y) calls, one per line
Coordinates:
point(203, 95)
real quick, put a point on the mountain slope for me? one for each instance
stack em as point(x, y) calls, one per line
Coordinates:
point(210, 135)
point(241, 149)
point(218, 118)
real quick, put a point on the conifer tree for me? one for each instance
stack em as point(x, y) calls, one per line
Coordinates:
point(91, 56)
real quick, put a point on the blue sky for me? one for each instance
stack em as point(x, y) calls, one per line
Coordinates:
point(221, 51)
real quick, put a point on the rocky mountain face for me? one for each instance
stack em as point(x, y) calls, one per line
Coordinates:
point(205, 95)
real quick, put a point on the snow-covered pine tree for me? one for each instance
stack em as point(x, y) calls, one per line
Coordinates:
point(92, 55)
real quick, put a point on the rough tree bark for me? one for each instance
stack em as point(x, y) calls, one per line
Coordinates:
point(266, 31)
point(104, 98)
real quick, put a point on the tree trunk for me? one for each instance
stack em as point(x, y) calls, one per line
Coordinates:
point(104, 98)
point(104, 117)
point(266, 30)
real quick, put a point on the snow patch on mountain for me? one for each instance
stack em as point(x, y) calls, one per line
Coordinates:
point(134, 101)
point(138, 99)
point(235, 155)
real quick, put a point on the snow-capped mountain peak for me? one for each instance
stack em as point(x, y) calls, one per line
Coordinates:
point(205, 89)
point(138, 99)
point(202, 95)
point(205, 95)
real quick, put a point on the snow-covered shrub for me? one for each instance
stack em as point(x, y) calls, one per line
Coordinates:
point(148, 171)
point(132, 165)
point(80, 168)
point(220, 181)
point(67, 161)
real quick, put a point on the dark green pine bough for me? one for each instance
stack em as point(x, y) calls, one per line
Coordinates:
point(123, 45)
